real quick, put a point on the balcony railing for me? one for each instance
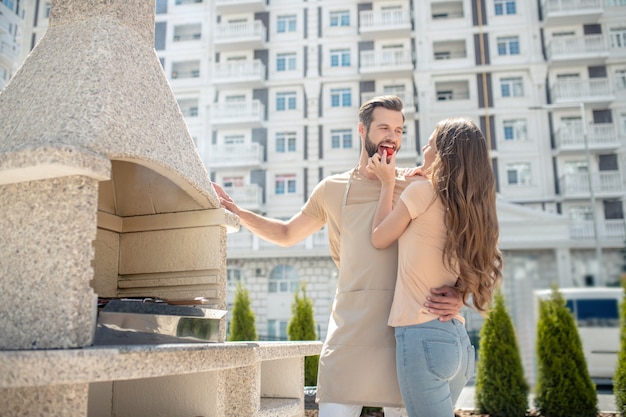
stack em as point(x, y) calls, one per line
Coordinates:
point(245, 113)
point(603, 182)
point(577, 89)
point(8, 50)
point(599, 135)
point(4, 26)
point(229, 6)
point(607, 230)
point(249, 32)
point(239, 71)
point(384, 21)
point(236, 155)
point(249, 197)
point(561, 6)
point(577, 46)
point(386, 60)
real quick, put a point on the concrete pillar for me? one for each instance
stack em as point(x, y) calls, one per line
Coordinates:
point(48, 227)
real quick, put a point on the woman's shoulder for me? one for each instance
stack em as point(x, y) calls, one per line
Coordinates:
point(418, 183)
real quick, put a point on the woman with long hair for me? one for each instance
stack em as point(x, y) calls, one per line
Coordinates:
point(447, 230)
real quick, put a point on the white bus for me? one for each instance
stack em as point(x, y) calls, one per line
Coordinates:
point(596, 311)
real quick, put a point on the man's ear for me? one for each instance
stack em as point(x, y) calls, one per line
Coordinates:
point(361, 130)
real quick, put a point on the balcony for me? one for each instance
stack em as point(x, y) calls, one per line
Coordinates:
point(4, 26)
point(576, 90)
point(233, 6)
point(249, 197)
point(244, 244)
point(605, 184)
point(246, 74)
point(448, 50)
point(591, 48)
point(242, 35)
point(611, 230)
point(8, 53)
point(449, 12)
point(600, 136)
point(565, 12)
point(387, 61)
point(385, 23)
point(184, 33)
point(244, 114)
point(236, 155)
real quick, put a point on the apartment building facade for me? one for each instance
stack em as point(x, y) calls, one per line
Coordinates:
point(271, 89)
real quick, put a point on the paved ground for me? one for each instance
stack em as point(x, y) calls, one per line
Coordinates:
point(606, 400)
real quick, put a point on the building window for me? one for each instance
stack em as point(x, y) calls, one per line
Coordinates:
point(340, 97)
point(339, 18)
point(607, 162)
point(514, 129)
point(276, 330)
point(504, 7)
point(285, 184)
point(231, 182)
point(341, 139)
point(285, 101)
point(620, 79)
point(613, 210)
point(508, 45)
point(234, 276)
point(285, 142)
point(512, 87)
point(286, 62)
point(518, 174)
point(286, 23)
point(618, 38)
point(234, 139)
point(283, 279)
point(340, 58)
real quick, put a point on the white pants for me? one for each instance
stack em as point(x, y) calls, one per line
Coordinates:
point(349, 410)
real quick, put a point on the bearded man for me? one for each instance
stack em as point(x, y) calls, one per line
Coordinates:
point(357, 365)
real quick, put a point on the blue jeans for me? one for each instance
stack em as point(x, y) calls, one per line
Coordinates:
point(434, 361)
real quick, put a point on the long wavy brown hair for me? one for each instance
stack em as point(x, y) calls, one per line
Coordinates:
point(464, 181)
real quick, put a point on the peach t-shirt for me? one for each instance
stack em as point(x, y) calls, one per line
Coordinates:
point(420, 261)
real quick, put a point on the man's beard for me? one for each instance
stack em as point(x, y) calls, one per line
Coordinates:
point(370, 147)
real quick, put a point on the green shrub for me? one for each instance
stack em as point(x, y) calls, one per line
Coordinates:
point(564, 387)
point(619, 381)
point(501, 390)
point(302, 327)
point(242, 324)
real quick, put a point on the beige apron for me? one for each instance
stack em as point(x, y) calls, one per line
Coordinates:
point(357, 363)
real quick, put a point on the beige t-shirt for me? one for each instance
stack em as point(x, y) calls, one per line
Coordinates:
point(327, 199)
point(420, 256)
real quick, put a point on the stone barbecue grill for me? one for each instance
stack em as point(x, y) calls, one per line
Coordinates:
point(103, 194)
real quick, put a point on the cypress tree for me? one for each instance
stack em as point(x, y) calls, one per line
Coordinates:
point(302, 327)
point(564, 387)
point(242, 324)
point(619, 380)
point(501, 389)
